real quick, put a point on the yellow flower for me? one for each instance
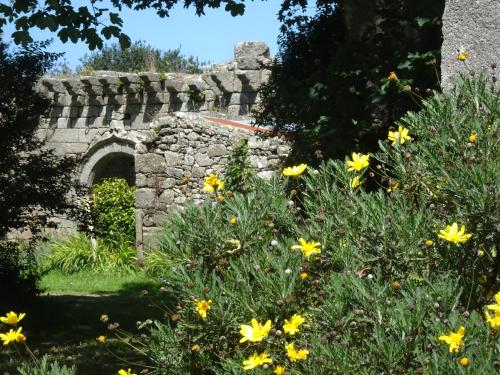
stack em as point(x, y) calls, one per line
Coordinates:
point(256, 360)
point(12, 336)
point(395, 284)
point(202, 307)
point(473, 137)
point(21, 338)
point(195, 348)
point(464, 361)
point(220, 198)
point(256, 332)
point(496, 306)
point(429, 243)
point(211, 180)
point(104, 318)
point(212, 183)
point(358, 162)
point(493, 321)
point(400, 136)
point(101, 339)
point(454, 339)
point(279, 370)
point(208, 188)
point(12, 318)
point(393, 77)
point(128, 372)
point(355, 182)
point(234, 220)
point(452, 234)
point(462, 56)
point(294, 354)
point(292, 326)
point(308, 248)
point(303, 275)
point(294, 171)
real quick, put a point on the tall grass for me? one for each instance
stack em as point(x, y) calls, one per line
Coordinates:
point(79, 252)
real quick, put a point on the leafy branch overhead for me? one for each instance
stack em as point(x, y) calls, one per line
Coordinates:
point(340, 57)
point(93, 23)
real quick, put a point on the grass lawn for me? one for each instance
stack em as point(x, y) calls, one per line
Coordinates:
point(64, 321)
point(89, 283)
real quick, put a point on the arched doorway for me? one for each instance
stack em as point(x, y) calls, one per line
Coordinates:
point(116, 164)
point(113, 157)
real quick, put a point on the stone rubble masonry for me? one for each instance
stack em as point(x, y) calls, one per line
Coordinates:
point(171, 124)
point(474, 27)
point(185, 148)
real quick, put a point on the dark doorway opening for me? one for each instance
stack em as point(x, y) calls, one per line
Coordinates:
point(117, 164)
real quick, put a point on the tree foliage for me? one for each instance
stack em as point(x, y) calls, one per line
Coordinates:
point(31, 176)
point(91, 24)
point(140, 57)
point(339, 97)
point(33, 180)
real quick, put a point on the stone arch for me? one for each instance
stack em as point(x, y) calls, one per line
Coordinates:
point(112, 157)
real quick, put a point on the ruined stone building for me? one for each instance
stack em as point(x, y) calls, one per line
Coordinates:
point(163, 133)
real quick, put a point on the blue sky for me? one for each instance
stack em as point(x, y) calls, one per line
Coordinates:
point(210, 37)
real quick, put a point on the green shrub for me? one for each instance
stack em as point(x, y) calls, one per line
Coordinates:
point(78, 252)
point(385, 285)
point(239, 173)
point(45, 368)
point(69, 255)
point(113, 210)
point(205, 234)
point(18, 271)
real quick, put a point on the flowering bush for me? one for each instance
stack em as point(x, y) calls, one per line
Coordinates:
point(336, 278)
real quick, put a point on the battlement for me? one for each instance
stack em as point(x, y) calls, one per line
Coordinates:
point(230, 87)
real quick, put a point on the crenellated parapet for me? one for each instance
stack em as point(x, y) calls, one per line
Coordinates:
point(136, 99)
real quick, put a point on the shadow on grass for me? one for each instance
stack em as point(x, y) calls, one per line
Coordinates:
point(66, 327)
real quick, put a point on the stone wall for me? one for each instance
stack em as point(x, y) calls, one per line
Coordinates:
point(163, 132)
point(474, 27)
point(87, 107)
point(186, 147)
